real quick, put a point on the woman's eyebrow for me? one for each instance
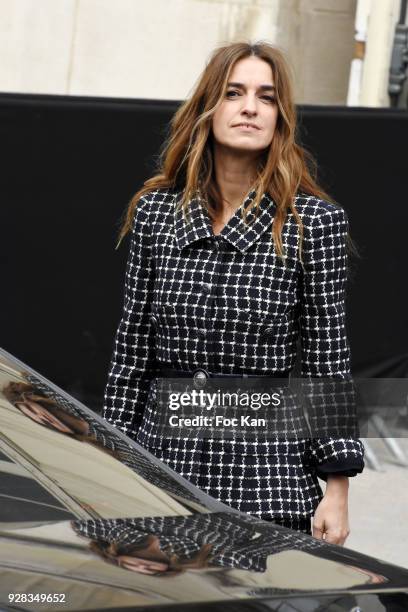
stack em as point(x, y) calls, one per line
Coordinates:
point(242, 86)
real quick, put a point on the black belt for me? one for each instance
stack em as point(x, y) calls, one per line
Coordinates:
point(201, 373)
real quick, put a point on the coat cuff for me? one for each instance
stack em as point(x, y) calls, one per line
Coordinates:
point(343, 456)
point(341, 467)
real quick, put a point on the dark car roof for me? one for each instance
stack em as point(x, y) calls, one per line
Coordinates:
point(71, 485)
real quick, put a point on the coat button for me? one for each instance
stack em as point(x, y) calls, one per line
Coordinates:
point(200, 378)
point(269, 332)
point(200, 373)
point(153, 320)
point(201, 333)
point(209, 243)
point(207, 288)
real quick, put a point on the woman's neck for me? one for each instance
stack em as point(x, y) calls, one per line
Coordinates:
point(235, 173)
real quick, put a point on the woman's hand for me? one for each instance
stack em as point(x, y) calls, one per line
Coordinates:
point(331, 516)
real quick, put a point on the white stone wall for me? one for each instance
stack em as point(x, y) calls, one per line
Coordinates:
point(319, 37)
point(380, 35)
point(36, 45)
point(156, 49)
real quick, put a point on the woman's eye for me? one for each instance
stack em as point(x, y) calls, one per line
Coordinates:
point(233, 94)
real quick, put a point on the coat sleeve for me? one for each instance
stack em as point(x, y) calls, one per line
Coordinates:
point(324, 346)
point(133, 361)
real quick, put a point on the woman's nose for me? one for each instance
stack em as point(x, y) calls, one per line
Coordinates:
point(249, 105)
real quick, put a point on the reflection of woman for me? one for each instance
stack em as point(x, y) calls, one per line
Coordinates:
point(146, 557)
point(172, 543)
point(42, 405)
point(165, 545)
point(46, 412)
point(259, 260)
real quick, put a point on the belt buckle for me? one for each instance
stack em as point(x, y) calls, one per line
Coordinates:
point(200, 376)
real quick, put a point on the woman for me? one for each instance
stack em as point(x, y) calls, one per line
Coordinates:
point(234, 251)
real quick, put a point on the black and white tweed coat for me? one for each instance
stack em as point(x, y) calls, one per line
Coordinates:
point(229, 304)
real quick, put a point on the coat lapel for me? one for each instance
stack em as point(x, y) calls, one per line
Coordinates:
point(236, 231)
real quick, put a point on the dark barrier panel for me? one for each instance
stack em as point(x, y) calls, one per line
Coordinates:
point(70, 165)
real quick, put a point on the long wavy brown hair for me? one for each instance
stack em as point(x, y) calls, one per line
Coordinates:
point(186, 160)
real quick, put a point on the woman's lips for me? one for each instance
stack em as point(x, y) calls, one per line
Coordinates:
point(246, 127)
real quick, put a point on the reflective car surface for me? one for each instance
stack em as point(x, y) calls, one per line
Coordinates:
point(89, 520)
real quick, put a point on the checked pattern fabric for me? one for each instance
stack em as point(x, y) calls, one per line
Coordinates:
point(229, 304)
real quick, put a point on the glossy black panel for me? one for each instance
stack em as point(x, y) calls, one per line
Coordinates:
point(138, 535)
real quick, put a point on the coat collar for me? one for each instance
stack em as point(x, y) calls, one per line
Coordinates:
point(236, 231)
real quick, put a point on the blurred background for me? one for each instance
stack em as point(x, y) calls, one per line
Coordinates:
point(87, 89)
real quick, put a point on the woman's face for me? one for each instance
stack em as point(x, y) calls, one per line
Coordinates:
point(246, 118)
point(141, 566)
point(147, 560)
